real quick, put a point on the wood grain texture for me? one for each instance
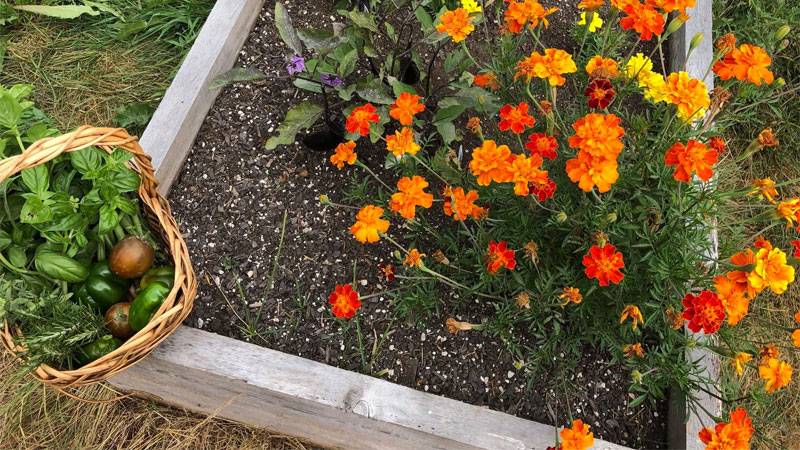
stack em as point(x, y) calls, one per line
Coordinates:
point(170, 135)
point(682, 432)
point(247, 383)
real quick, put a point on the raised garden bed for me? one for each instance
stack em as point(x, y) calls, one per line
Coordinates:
point(230, 199)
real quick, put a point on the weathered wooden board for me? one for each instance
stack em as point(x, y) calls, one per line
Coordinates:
point(682, 432)
point(170, 135)
point(204, 372)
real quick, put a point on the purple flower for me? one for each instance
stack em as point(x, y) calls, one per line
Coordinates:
point(331, 80)
point(296, 65)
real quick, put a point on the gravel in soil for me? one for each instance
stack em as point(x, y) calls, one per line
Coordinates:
point(230, 202)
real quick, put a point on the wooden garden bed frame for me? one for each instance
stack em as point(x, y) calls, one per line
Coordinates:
point(212, 374)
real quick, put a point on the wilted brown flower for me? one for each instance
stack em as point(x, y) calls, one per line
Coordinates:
point(599, 238)
point(484, 213)
point(474, 125)
point(767, 139)
point(531, 250)
point(767, 352)
point(675, 319)
point(523, 300)
point(439, 257)
point(454, 326)
point(727, 43)
point(571, 294)
point(546, 106)
point(633, 350)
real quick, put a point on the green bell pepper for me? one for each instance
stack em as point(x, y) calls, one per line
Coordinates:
point(164, 274)
point(97, 349)
point(102, 289)
point(146, 304)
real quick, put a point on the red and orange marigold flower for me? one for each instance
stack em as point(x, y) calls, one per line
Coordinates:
point(386, 271)
point(734, 435)
point(576, 438)
point(456, 23)
point(360, 118)
point(747, 62)
point(490, 163)
point(694, 157)
point(777, 374)
point(500, 256)
point(570, 295)
point(543, 188)
point(526, 11)
point(411, 195)
point(600, 93)
point(461, 204)
point(369, 224)
point(604, 263)
point(542, 145)
point(405, 107)
point(345, 301)
point(344, 154)
point(515, 118)
point(704, 312)
point(644, 19)
point(402, 142)
point(590, 4)
point(552, 65)
point(718, 144)
point(485, 80)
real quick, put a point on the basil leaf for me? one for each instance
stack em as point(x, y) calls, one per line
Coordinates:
point(86, 161)
point(5, 240)
point(17, 256)
point(126, 180)
point(37, 178)
point(60, 267)
point(109, 219)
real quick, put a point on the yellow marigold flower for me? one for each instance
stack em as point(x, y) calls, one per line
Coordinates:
point(638, 64)
point(599, 62)
point(596, 23)
point(344, 154)
point(551, 66)
point(402, 142)
point(471, 6)
point(633, 312)
point(771, 271)
point(655, 86)
point(763, 188)
point(456, 24)
point(490, 163)
point(776, 373)
point(414, 258)
point(740, 360)
point(790, 210)
point(633, 350)
point(411, 195)
point(690, 95)
point(571, 294)
point(369, 223)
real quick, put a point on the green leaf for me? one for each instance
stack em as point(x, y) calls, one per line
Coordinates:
point(348, 63)
point(637, 401)
point(105, 8)
point(10, 110)
point(284, 24)
point(424, 18)
point(60, 11)
point(320, 40)
point(86, 161)
point(448, 114)
point(130, 29)
point(5, 240)
point(75, 221)
point(300, 117)
point(369, 50)
point(17, 256)
point(109, 219)
point(364, 20)
point(307, 85)
point(60, 267)
point(452, 59)
point(37, 178)
point(21, 91)
point(447, 130)
point(236, 75)
point(373, 91)
point(138, 114)
point(346, 92)
point(398, 87)
point(126, 206)
point(35, 210)
point(125, 181)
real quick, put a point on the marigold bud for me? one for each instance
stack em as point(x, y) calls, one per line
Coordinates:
point(782, 32)
point(474, 125)
point(780, 82)
point(324, 199)
point(784, 44)
point(611, 217)
point(397, 254)
point(691, 343)
point(637, 376)
point(599, 238)
point(561, 217)
point(546, 106)
point(674, 25)
point(696, 40)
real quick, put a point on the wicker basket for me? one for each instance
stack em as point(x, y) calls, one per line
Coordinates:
point(179, 302)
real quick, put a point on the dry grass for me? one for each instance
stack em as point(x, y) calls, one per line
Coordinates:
point(35, 417)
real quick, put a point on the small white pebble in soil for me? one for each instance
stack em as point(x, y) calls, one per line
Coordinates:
point(422, 337)
point(510, 374)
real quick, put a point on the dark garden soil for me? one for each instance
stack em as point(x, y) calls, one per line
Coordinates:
point(230, 202)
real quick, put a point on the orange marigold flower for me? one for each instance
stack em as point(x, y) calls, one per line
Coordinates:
point(524, 170)
point(527, 11)
point(590, 171)
point(344, 154)
point(729, 436)
point(490, 163)
point(763, 188)
point(515, 118)
point(633, 350)
point(402, 142)
point(727, 43)
point(746, 62)
point(739, 277)
point(369, 223)
point(776, 373)
point(732, 296)
point(414, 258)
point(771, 271)
point(598, 62)
point(345, 301)
point(576, 438)
point(551, 65)
point(621, 4)
point(404, 108)
point(704, 312)
point(500, 256)
point(542, 145)
point(767, 139)
point(456, 24)
point(598, 134)
point(796, 338)
point(644, 19)
point(486, 79)
point(590, 4)
point(359, 119)
point(604, 263)
point(672, 5)
point(740, 360)
point(692, 157)
point(766, 352)
point(474, 124)
point(718, 144)
point(762, 243)
point(790, 210)
point(411, 195)
point(571, 294)
point(463, 205)
point(796, 255)
point(633, 312)
point(675, 319)
point(600, 93)
point(690, 95)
